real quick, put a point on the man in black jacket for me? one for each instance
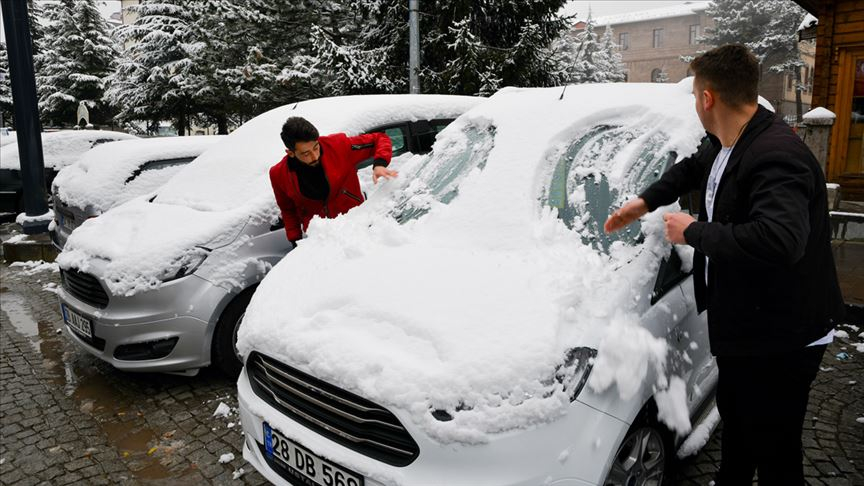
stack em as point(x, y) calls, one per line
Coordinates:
point(763, 266)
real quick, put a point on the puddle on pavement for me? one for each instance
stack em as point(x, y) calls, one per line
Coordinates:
point(129, 436)
point(80, 376)
point(18, 311)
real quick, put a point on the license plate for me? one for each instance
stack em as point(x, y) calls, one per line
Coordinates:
point(305, 466)
point(76, 321)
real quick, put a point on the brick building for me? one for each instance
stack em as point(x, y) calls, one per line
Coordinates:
point(652, 43)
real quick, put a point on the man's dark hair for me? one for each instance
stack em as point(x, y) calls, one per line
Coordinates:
point(297, 129)
point(731, 71)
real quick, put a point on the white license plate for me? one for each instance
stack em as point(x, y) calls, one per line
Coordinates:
point(76, 321)
point(304, 465)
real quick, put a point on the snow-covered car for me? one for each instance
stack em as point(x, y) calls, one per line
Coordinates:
point(114, 173)
point(59, 149)
point(472, 324)
point(161, 282)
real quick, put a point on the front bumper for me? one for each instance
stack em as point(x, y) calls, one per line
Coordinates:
point(186, 309)
point(575, 450)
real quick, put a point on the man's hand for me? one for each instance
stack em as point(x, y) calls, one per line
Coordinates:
point(676, 223)
point(381, 171)
point(628, 213)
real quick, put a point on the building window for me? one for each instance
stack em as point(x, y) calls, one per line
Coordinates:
point(790, 82)
point(658, 38)
point(624, 41)
point(658, 76)
point(694, 34)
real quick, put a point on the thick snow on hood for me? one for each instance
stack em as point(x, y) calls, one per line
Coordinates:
point(471, 306)
point(208, 202)
point(63, 148)
point(99, 179)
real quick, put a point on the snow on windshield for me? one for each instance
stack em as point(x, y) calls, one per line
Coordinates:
point(100, 179)
point(63, 148)
point(470, 301)
point(210, 200)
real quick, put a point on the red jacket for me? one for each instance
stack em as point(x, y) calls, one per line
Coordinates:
point(340, 155)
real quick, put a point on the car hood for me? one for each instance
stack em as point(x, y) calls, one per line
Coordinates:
point(142, 242)
point(473, 305)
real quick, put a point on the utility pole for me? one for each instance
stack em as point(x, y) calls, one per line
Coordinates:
point(413, 46)
point(27, 126)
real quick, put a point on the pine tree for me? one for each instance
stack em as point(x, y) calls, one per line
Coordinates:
point(74, 61)
point(159, 75)
point(587, 59)
point(767, 27)
point(466, 47)
point(6, 110)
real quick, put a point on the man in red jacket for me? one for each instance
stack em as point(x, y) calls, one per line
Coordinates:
point(318, 176)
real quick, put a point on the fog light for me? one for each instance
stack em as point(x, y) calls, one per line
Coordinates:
point(147, 350)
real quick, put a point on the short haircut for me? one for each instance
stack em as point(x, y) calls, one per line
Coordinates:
point(298, 129)
point(731, 71)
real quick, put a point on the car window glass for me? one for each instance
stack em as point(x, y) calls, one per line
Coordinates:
point(437, 180)
point(157, 165)
point(580, 189)
point(397, 138)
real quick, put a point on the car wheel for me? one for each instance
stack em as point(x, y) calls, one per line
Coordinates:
point(225, 355)
point(642, 458)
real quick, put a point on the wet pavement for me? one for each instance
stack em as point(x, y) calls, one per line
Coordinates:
point(68, 418)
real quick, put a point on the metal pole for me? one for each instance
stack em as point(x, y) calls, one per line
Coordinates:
point(413, 46)
point(27, 127)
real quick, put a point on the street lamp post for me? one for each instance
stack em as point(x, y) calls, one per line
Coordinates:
point(413, 46)
point(27, 127)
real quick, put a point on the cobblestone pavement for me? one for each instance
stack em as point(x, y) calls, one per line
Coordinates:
point(66, 417)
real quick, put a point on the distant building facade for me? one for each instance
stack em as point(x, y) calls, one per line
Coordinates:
point(652, 43)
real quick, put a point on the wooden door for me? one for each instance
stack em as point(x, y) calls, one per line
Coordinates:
point(847, 161)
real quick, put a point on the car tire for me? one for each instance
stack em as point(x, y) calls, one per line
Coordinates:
point(645, 456)
point(224, 353)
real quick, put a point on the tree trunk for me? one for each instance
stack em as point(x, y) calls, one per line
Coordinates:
point(222, 124)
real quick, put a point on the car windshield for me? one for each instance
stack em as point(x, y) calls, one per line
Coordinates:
point(438, 179)
point(580, 189)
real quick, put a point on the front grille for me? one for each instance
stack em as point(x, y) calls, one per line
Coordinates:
point(332, 412)
point(84, 287)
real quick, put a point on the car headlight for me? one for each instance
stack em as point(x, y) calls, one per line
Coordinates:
point(185, 265)
point(573, 373)
point(571, 376)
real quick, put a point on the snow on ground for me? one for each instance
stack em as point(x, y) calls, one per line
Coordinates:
point(470, 306)
point(62, 148)
point(225, 458)
point(223, 410)
point(99, 179)
point(208, 202)
point(700, 435)
point(33, 267)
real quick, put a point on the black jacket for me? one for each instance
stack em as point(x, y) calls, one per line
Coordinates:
point(772, 285)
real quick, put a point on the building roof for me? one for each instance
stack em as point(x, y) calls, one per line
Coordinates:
point(689, 8)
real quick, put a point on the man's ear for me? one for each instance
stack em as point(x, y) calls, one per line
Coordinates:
point(289, 152)
point(708, 99)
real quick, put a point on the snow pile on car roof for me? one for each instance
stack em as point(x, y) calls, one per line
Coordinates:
point(471, 306)
point(63, 148)
point(209, 200)
point(100, 179)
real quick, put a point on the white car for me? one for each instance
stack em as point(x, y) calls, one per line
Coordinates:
point(110, 174)
point(59, 149)
point(471, 324)
point(161, 282)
